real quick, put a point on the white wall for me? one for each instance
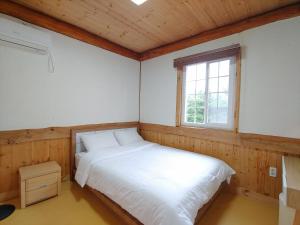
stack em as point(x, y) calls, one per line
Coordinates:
point(270, 88)
point(89, 85)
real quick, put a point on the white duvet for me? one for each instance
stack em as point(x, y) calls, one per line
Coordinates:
point(158, 185)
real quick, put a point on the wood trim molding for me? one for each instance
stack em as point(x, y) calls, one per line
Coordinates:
point(40, 134)
point(227, 51)
point(273, 143)
point(236, 113)
point(27, 135)
point(179, 96)
point(252, 22)
point(48, 22)
point(258, 141)
point(233, 50)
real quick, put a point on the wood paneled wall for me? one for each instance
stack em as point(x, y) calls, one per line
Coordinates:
point(14, 156)
point(249, 155)
point(28, 147)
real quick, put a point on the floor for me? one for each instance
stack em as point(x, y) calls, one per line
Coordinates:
point(76, 206)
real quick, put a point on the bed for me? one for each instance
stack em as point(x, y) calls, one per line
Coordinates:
point(147, 183)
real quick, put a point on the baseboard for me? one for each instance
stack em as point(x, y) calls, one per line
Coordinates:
point(8, 195)
point(252, 194)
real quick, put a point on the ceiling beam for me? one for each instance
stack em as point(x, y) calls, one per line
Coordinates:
point(48, 22)
point(269, 17)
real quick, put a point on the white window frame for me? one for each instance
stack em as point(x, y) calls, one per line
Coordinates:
point(231, 96)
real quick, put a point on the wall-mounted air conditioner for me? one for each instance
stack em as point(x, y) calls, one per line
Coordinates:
point(21, 35)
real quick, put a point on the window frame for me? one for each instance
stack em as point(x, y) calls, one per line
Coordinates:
point(208, 57)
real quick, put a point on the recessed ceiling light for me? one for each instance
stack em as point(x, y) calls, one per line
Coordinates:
point(138, 2)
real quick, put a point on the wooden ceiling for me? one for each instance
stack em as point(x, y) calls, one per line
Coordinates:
point(154, 23)
point(152, 29)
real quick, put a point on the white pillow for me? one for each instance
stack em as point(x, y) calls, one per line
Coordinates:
point(96, 141)
point(128, 136)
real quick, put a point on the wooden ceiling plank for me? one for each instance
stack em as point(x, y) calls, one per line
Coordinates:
point(180, 15)
point(197, 9)
point(93, 17)
point(275, 15)
point(115, 15)
point(42, 20)
point(154, 23)
point(148, 26)
point(116, 30)
point(153, 20)
point(103, 18)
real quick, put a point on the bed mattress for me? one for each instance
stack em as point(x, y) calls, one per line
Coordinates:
point(158, 185)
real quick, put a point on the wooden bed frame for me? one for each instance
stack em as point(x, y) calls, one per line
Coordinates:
point(118, 210)
point(131, 220)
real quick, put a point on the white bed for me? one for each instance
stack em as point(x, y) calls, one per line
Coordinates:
point(157, 185)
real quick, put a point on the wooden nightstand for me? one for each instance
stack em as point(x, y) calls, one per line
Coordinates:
point(39, 182)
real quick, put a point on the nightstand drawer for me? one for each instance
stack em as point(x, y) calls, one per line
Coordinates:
point(40, 182)
point(41, 193)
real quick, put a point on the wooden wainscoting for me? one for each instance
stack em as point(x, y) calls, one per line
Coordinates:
point(32, 146)
point(250, 155)
point(14, 156)
point(27, 147)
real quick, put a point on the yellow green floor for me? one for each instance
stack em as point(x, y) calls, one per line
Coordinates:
point(76, 206)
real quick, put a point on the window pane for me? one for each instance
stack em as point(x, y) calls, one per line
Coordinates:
point(191, 101)
point(224, 68)
point(207, 92)
point(213, 85)
point(200, 87)
point(199, 115)
point(222, 116)
point(223, 84)
point(200, 101)
point(191, 72)
point(190, 108)
point(190, 118)
point(212, 115)
point(213, 100)
point(222, 108)
point(223, 100)
point(201, 71)
point(213, 69)
point(212, 108)
point(190, 87)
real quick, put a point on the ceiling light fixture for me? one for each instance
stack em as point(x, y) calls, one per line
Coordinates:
point(138, 2)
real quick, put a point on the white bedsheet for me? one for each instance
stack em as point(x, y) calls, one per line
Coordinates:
point(156, 184)
point(78, 156)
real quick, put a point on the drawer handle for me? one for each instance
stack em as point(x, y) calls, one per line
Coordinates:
point(43, 186)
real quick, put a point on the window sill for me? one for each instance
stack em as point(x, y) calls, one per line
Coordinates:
point(210, 129)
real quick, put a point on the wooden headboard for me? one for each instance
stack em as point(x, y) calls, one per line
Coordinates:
point(88, 128)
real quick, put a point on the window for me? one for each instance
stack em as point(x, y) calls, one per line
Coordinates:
point(208, 89)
